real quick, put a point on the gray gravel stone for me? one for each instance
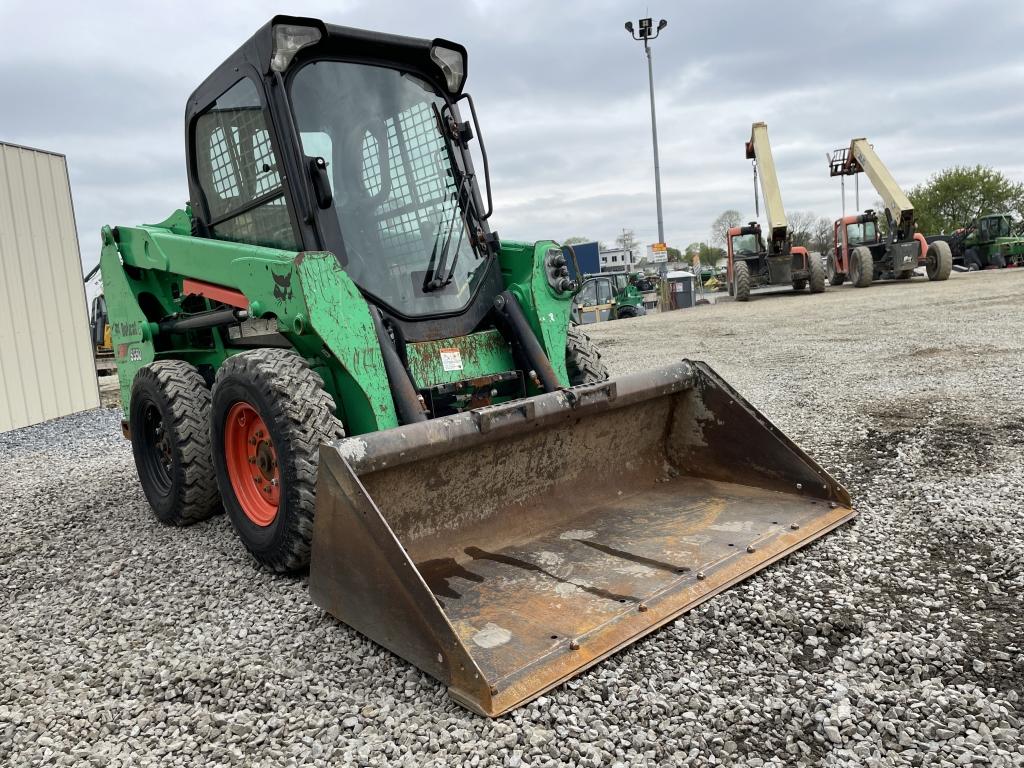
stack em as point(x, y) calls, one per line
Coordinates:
point(123, 642)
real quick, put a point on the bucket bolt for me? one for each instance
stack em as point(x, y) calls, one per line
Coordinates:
point(574, 645)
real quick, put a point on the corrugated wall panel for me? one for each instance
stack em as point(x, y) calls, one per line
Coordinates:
point(46, 362)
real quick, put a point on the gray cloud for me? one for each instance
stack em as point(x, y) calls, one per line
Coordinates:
point(562, 96)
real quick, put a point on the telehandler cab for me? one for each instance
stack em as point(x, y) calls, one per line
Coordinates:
point(501, 514)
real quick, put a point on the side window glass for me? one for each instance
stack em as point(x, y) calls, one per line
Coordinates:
point(604, 292)
point(239, 173)
point(588, 296)
point(319, 144)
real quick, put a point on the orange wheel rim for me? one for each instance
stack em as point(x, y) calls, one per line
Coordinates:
point(252, 464)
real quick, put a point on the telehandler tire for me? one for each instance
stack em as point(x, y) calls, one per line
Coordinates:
point(939, 261)
point(741, 281)
point(800, 284)
point(816, 274)
point(862, 267)
point(834, 278)
point(270, 413)
point(582, 360)
point(169, 419)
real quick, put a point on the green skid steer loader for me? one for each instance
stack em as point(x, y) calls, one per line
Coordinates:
point(332, 344)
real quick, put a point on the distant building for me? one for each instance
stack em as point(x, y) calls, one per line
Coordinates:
point(619, 259)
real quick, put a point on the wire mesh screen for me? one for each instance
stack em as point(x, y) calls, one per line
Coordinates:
point(421, 188)
point(239, 167)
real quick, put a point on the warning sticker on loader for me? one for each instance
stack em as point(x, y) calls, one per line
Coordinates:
point(451, 359)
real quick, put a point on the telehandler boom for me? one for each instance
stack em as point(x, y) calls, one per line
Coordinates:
point(859, 252)
point(332, 343)
point(751, 262)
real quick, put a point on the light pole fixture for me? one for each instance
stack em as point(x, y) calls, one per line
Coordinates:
point(647, 32)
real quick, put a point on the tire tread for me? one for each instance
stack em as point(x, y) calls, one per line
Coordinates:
point(305, 412)
point(582, 359)
point(188, 398)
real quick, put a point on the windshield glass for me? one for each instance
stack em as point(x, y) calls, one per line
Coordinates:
point(391, 174)
point(863, 232)
point(744, 243)
point(997, 226)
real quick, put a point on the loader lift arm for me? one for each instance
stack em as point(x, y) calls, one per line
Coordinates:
point(859, 157)
point(760, 151)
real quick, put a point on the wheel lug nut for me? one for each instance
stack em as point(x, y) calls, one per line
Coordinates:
point(252, 459)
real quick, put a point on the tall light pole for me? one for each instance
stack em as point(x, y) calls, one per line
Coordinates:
point(647, 33)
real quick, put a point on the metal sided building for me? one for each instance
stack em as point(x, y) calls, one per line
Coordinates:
point(46, 358)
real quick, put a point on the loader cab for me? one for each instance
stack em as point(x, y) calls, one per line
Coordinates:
point(314, 137)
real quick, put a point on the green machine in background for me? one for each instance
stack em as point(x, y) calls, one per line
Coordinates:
point(331, 343)
point(608, 296)
point(989, 242)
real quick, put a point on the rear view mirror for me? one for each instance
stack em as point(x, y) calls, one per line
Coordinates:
point(321, 182)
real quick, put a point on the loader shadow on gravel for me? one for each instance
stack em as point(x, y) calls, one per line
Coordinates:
point(989, 622)
point(932, 440)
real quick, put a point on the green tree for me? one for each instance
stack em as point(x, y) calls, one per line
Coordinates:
point(720, 227)
point(708, 254)
point(674, 254)
point(956, 196)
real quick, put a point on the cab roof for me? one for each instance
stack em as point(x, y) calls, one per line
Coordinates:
point(254, 55)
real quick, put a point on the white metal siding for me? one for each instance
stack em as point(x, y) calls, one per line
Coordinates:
point(46, 361)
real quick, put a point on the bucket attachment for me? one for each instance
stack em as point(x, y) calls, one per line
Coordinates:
point(505, 549)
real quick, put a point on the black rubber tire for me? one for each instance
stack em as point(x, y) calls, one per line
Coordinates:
point(816, 274)
point(834, 278)
point(800, 284)
point(582, 359)
point(290, 398)
point(862, 267)
point(741, 281)
point(972, 260)
point(169, 420)
point(997, 260)
point(906, 274)
point(626, 310)
point(939, 261)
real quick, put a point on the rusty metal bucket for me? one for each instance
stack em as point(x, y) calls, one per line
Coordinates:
point(506, 549)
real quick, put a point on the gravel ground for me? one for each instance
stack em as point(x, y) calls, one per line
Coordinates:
point(898, 640)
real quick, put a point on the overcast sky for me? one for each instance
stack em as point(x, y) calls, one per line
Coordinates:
point(561, 91)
